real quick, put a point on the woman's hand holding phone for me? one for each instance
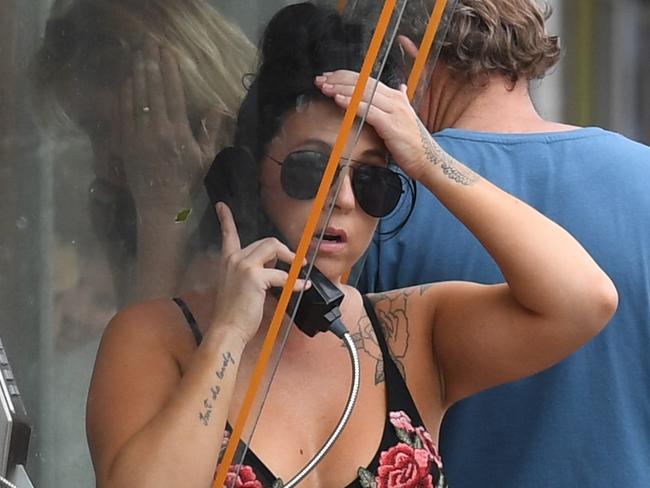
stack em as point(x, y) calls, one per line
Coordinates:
point(245, 275)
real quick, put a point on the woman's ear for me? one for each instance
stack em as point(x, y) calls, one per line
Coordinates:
point(407, 46)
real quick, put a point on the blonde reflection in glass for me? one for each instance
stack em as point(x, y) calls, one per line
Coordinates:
point(155, 85)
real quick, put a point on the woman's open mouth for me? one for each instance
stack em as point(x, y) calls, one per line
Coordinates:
point(334, 240)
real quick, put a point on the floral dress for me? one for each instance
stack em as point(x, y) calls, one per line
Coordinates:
point(407, 456)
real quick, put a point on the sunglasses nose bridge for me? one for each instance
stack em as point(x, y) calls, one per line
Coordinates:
point(342, 192)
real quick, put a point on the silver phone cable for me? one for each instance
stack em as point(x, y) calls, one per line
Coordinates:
point(339, 329)
point(6, 483)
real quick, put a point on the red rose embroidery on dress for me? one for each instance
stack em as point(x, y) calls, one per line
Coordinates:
point(224, 444)
point(429, 445)
point(244, 479)
point(402, 466)
point(401, 421)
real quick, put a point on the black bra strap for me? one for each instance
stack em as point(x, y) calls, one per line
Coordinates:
point(191, 321)
point(398, 395)
point(376, 326)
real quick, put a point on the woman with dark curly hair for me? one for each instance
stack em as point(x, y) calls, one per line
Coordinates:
point(171, 375)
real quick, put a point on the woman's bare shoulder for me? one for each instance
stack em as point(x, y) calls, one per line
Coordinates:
point(155, 324)
point(139, 363)
point(414, 298)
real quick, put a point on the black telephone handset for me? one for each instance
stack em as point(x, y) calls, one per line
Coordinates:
point(318, 309)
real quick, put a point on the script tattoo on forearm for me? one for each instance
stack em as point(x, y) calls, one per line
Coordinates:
point(391, 312)
point(451, 168)
point(366, 341)
point(208, 403)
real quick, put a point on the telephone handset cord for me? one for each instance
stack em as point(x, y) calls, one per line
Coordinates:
point(6, 483)
point(341, 332)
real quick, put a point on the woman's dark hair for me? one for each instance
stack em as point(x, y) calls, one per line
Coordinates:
point(299, 43)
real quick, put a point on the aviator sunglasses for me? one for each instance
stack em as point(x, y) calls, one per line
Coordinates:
point(376, 188)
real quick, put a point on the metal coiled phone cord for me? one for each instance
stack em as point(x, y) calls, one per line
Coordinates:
point(6, 483)
point(339, 329)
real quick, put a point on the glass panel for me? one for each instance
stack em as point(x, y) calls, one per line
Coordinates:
point(103, 203)
point(94, 217)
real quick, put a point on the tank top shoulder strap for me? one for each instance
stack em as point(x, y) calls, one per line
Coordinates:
point(376, 327)
point(189, 318)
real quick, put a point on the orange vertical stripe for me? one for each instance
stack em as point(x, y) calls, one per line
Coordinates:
point(346, 276)
point(425, 47)
point(420, 60)
point(303, 246)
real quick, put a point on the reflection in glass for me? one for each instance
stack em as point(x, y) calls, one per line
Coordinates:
point(105, 221)
point(155, 87)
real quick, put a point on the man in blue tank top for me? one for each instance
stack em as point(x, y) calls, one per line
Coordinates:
point(585, 422)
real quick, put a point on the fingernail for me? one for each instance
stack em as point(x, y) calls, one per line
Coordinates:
point(321, 78)
point(328, 86)
point(328, 73)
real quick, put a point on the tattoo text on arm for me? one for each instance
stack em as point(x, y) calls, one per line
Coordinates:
point(208, 403)
point(451, 168)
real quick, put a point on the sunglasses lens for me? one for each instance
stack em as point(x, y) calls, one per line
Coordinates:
point(377, 189)
point(302, 172)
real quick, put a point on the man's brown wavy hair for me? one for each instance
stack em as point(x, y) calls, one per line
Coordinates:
point(485, 36)
point(504, 36)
